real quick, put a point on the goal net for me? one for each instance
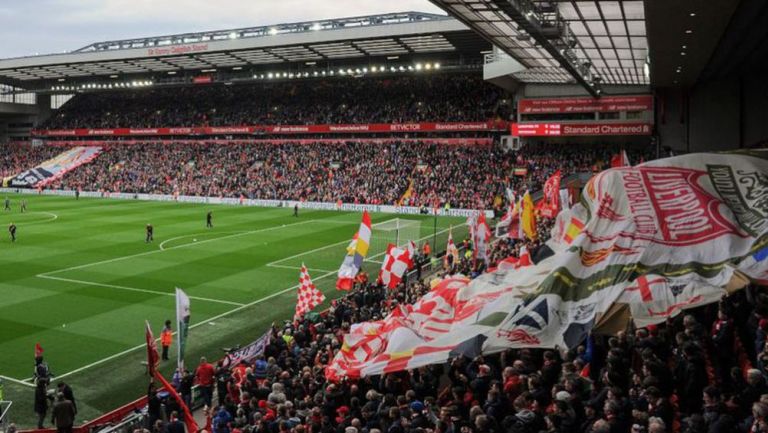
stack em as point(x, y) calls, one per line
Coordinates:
point(396, 231)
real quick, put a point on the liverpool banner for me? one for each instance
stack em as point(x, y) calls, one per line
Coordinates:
point(653, 240)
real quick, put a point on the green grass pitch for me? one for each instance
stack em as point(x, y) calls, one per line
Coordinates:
point(80, 280)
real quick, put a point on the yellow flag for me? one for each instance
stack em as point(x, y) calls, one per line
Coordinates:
point(407, 194)
point(529, 217)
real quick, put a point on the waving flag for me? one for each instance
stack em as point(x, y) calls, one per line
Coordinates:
point(407, 194)
point(482, 238)
point(395, 265)
point(182, 324)
point(574, 228)
point(412, 250)
point(152, 357)
point(38, 350)
point(620, 160)
point(450, 249)
point(511, 221)
point(656, 239)
point(528, 219)
point(511, 213)
point(550, 204)
point(525, 257)
point(356, 252)
point(308, 296)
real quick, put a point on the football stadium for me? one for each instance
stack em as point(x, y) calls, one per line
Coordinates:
point(475, 216)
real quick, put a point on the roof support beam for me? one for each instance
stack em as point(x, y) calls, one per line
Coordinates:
point(520, 11)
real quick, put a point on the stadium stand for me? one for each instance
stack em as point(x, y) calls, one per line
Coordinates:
point(441, 97)
point(351, 172)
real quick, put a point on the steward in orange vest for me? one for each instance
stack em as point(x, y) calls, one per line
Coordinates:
point(166, 337)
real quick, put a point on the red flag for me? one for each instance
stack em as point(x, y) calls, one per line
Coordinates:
point(38, 350)
point(620, 160)
point(525, 257)
point(152, 357)
point(550, 204)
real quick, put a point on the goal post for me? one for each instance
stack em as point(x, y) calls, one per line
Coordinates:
point(396, 231)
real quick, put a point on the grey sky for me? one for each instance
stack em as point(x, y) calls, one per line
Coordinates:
point(47, 26)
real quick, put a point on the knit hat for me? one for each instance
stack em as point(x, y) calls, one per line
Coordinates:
point(417, 406)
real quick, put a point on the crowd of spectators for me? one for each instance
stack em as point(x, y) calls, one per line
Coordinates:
point(441, 97)
point(353, 172)
point(701, 372)
point(17, 157)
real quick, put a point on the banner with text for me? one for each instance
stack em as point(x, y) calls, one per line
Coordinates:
point(484, 141)
point(314, 205)
point(577, 129)
point(585, 105)
point(279, 129)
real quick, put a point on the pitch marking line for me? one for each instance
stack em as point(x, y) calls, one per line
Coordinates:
point(51, 217)
point(162, 244)
point(17, 381)
point(134, 289)
point(146, 253)
point(298, 268)
point(226, 313)
point(236, 233)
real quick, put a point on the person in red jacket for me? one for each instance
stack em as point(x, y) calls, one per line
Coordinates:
point(204, 377)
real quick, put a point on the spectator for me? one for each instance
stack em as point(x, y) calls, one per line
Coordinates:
point(433, 97)
point(63, 414)
point(204, 378)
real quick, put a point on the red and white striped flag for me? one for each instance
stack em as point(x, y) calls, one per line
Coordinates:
point(397, 262)
point(482, 238)
point(412, 250)
point(450, 249)
point(308, 296)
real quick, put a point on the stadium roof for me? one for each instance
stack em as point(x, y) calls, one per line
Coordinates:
point(369, 38)
point(563, 40)
point(591, 42)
